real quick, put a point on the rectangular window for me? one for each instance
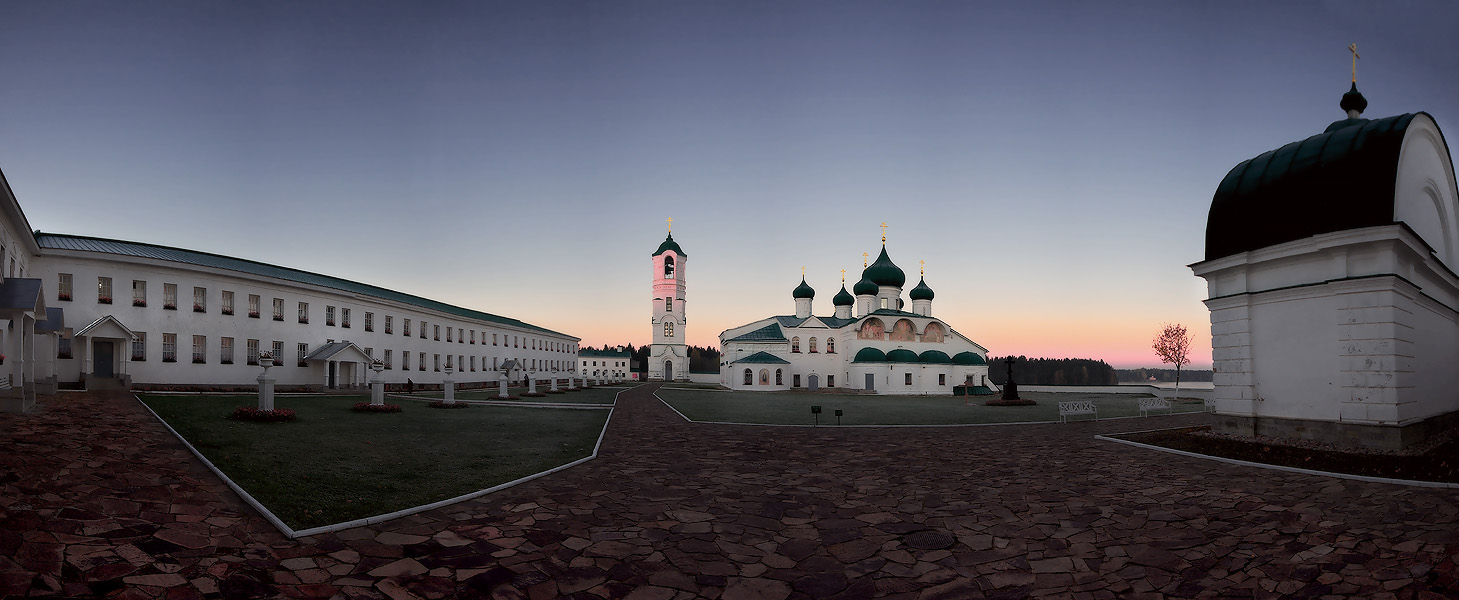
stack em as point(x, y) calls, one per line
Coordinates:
point(278, 311)
point(278, 353)
point(303, 351)
point(448, 334)
point(514, 341)
point(830, 381)
point(795, 380)
point(493, 342)
point(103, 290)
point(139, 346)
point(303, 312)
point(200, 349)
point(329, 316)
point(941, 379)
point(63, 287)
point(473, 336)
point(226, 303)
point(423, 330)
point(389, 324)
point(448, 362)
point(669, 307)
point(63, 344)
point(405, 360)
point(369, 321)
point(139, 292)
point(436, 362)
point(169, 347)
point(370, 352)
point(225, 351)
point(473, 363)
point(405, 327)
point(907, 380)
point(252, 352)
point(460, 335)
point(387, 358)
point(493, 363)
point(253, 305)
point(421, 362)
point(344, 318)
point(438, 333)
point(200, 299)
point(169, 296)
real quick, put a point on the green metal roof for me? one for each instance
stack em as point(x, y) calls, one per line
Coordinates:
point(52, 241)
point(803, 290)
point(884, 272)
point(603, 353)
point(835, 323)
point(768, 333)
point(902, 355)
point(969, 358)
point(764, 358)
point(869, 355)
point(865, 287)
point(921, 292)
point(843, 297)
point(887, 312)
point(934, 356)
point(669, 244)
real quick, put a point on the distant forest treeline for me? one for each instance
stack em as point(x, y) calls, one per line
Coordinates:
point(1052, 371)
point(700, 359)
point(1133, 375)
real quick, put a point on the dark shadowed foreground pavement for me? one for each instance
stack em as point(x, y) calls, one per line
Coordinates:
point(96, 498)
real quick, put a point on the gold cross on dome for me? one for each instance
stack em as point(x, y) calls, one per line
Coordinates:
point(802, 271)
point(883, 232)
point(1354, 49)
point(843, 276)
point(863, 259)
point(671, 224)
point(924, 266)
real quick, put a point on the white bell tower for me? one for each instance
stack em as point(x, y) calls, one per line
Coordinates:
point(668, 357)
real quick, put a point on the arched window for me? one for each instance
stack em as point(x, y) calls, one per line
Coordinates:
point(830, 345)
point(749, 377)
point(813, 345)
point(778, 379)
point(795, 344)
point(669, 329)
point(764, 376)
point(668, 267)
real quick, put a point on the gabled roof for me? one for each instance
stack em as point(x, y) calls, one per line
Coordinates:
point(106, 324)
point(55, 320)
point(768, 333)
point(332, 350)
point(791, 321)
point(835, 323)
point(22, 294)
point(52, 241)
point(764, 358)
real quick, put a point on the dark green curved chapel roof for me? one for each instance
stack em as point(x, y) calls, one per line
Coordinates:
point(669, 244)
point(884, 272)
point(52, 241)
point(1341, 179)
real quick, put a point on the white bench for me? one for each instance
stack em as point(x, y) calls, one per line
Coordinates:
point(1077, 407)
point(1149, 404)
point(1210, 405)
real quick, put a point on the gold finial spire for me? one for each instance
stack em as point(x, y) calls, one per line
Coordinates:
point(843, 277)
point(883, 233)
point(863, 259)
point(924, 266)
point(802, 271)
point(1354, 49)
point(671, 224)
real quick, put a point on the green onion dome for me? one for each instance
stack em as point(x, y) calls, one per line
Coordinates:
point(934, 356)
point(669, 244)
point(968, 358)
point(870, 355)
point(884, 273)
point(843, 298)
point(902, 355)
point(803, 290)
point(922, 292)
point(865, 287)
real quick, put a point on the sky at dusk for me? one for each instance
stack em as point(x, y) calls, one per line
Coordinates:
point(1053, 163)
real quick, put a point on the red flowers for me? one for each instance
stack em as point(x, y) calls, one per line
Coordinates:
point(377, 408)
point(277, 415)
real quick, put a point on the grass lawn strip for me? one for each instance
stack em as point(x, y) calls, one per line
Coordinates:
point(596, 395)
point(864, 410)
point(517, 403)
point(1438, 467)
point(334, 465)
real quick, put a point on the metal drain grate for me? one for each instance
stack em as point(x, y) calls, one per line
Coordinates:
point(929, 540)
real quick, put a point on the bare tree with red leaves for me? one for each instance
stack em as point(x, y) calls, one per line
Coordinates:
point(1173, 345)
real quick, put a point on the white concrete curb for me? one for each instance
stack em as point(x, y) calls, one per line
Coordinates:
point(1245, 463)
point(293, 534)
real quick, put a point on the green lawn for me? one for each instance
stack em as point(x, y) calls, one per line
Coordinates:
point(597, 395)
point(333, 465)
point(793, 408)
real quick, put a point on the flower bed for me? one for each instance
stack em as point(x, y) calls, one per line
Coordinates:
point(442, 404)
point(533, 394)
point(277, 415)
point(377, 408)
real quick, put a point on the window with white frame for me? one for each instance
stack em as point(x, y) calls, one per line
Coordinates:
point(460, 335)
point(169, 347)
point(405, 360)
point(139, 292)
point(63, 286)
point(200, 349)
point(436, 362)
point(344, 317)
point(253, 305)
point(493, 342)
point(252, 352)
point(423, 330)
point(387, 358)
point(389, 324)
point(370, 352)
point(473, 364)
point(421, 362)
point(668, 304)
point(448, 335)
point(139, 346)
point(329, 316)
point(278, 313)
point(473, 335)
point(225, 350)
point(405, 327)
point(169, 296)
point(225, 302)
point(369, 321)
point(278, 353)
point(438, 333)
point(200, 299)
point(448, 362)
point(103, 290)
point(669, 329)
point(63, 343)
point(303, 352)
point(303, 312)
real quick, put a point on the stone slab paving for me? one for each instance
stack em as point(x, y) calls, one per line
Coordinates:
point(96, 498)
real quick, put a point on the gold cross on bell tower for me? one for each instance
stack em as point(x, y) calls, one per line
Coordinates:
point(1354, 49)
point(883, 232)
point(671, 224)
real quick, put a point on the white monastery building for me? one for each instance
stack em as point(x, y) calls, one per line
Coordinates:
point(881, 348)
point(612, 365)
point(91, 312)
point(1330, 265)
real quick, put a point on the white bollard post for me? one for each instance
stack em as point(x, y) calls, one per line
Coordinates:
point(265, 384)
point(572, 382)
point(502, 383)
point(531, 383)
point(449, 386)
point(554, 383)
point(377, 384)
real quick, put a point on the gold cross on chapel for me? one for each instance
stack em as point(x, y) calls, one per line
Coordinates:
point(1354, 49)
point(883, 232)
point(671, 224)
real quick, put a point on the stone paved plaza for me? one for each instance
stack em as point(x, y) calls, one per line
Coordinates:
point(96, 498)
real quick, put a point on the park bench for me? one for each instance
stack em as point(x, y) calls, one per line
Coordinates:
point(1210, 405)
point(1149, 404)
point(1077, 407)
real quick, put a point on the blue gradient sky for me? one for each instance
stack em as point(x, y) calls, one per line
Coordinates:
point(1053, 165)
